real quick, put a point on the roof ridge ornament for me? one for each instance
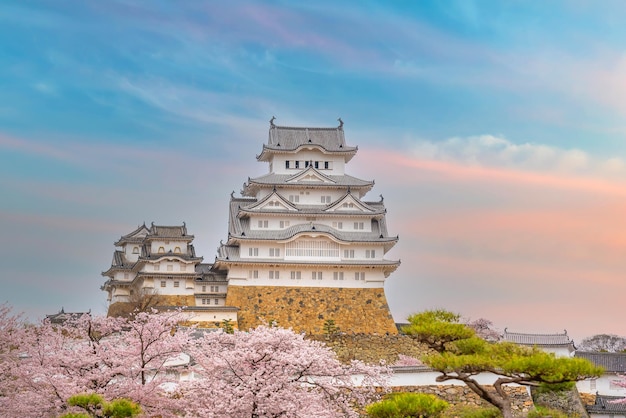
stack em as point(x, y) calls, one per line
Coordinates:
point(340, 124)
point(272, 122)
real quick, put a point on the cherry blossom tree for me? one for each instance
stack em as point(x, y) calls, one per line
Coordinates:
point(274, 372)
point(112, 357)
point(11, 338)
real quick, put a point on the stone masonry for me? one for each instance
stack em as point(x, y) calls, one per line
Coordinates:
point(306, 309)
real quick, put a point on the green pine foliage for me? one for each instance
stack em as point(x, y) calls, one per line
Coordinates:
point(408, 405)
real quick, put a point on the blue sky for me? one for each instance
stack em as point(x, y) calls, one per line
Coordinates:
point(495, 131)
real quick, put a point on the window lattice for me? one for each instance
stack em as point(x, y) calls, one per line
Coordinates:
point(312, 248)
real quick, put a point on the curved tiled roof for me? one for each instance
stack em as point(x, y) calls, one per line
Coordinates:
point(611, 362)
point(537, 339)
point(605, 405)
point(290, 138)
point(273, 179)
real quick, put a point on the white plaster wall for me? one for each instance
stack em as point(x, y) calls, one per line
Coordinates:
point(185, 286)
point(240, 276)
point(278, 162)
point(212, 316)
point(602, 386)
point(177, 266)
point(168, 246)
point(427, 377)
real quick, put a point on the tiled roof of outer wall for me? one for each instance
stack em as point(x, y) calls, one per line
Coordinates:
point(208, 274)
point(287, 138)
point(537, 339)
point(605, 405)
point(612, 362)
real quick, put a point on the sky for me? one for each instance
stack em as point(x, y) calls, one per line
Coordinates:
point(495, 130)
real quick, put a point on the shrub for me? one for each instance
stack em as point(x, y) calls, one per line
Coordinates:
point(467, 411)
point(407, 405)
point(541, 411)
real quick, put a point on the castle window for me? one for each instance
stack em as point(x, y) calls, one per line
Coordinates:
point(296, 275)
point(205, 301)
point(348, 253)
point(316, 275)
point(216, 301)
point(253, 274)
point(215, 289)
point(294, 198)
point(274, 274)
point(177, 250)
point(287, 164)
point(157, 267)
point(263, 224)
point(370, 253)
point(162, 283)
point(284, 224)
point(306, 163)
point(204, 288)
point(325, 199)
point(338, 275)
point(338, 225)
point(274, 252)
point(170, 267)
point(359, 276)
point(161, 250)
point(359, 225)
point(135, 250)
point(177, 284)
point(312, 248)
point(253, 252)
point(297, 164)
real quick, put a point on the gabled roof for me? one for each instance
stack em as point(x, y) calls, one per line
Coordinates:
point(348, 198)
point(611, 362)
point(541, 340)
point(606, 405)
point(169, 232)
point(291, 139)
point(136, 236)
point(274, 196)
point(310, 175)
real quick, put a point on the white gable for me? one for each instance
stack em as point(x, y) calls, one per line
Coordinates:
point(349, 203)
point(310, 175)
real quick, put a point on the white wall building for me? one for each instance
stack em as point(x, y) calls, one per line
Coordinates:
point(304, 223)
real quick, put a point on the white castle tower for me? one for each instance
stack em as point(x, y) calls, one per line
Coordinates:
point(303, 246)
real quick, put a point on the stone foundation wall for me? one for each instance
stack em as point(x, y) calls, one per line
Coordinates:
point(306, 309)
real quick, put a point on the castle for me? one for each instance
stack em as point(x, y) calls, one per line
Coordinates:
point(303, 247)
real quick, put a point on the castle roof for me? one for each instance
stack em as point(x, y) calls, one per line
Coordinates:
point(143, 233)
point(540, 340)
point(611, 362)
point(231, 253)
point(169, 232)
point(287, 180)
point(290, 139)
point(606, 405)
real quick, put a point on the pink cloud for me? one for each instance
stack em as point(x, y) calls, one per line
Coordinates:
point(535, 251)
